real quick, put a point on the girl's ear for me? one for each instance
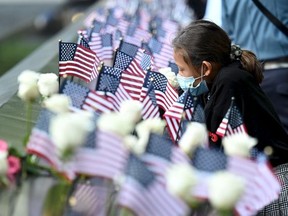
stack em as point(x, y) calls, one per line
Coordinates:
point(207, 68)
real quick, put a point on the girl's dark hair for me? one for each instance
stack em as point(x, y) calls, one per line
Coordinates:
point(203, 40)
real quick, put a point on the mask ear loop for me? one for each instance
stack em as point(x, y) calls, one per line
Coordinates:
point(202, 71)
point(201, 74)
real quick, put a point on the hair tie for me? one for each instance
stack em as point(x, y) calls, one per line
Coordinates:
point(236, 52)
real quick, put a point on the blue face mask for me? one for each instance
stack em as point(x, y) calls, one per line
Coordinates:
point(188, 83)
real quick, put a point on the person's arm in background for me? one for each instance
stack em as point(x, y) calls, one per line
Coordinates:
point(213, 11)
point(225, 20)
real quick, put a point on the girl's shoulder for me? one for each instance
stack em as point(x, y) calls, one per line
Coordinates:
point(234, 74)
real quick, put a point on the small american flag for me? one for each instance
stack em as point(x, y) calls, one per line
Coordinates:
point(150, 107)
point(117, 37)
point(102, 45)
point(130, 35)
point(41, 144)
point(109, 83)
point(206, 162)
point(144, 195)
point(173, 66)
point(131, 50)
point(160, 154)
point(132, 76)
point(147, 62)
point(136, 35)
point(232, 122)
point(96, 26)
point(113, 23)
point(83, 41)
point(166, 95)
point(180, 110)
point(166, 31)
point(198, 114)
point(162, 52)
point(89, 197)
point(209, 160)
point(86, 99)
point(262, 187)
point(149, 57)
point(104, 155)
point(146, 48)
point(76, 60)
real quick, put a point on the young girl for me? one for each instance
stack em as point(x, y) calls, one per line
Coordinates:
point(210, 67)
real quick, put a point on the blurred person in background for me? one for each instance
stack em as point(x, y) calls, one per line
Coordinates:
point(253, 28)
point(198, 6)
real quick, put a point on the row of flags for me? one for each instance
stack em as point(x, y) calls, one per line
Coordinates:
point(122, 53)
point(104, 156)
point(105, 35)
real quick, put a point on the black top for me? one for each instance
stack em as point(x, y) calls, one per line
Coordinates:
point(258, 113)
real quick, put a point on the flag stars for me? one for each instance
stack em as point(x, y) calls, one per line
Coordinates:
point(106, 40)
point(67, 51)
point(122, 60)
point(138, 170)
point(76, 92)
point(159, 146)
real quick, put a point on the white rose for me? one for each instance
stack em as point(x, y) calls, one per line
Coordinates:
point(116, 123)
point(153, 125)
point(28, 77)
point(136, 145)
point(132, 109)
point(28, 92)
point(3, 163)
point(225, 189)
point(238, 144)
point(70, 130)
point(147, 126)
point(195, 135)
point(28, 89)
point(170, 75)
point(130, 142)
point(48, 84)
point(58, 103)
point(181, 178)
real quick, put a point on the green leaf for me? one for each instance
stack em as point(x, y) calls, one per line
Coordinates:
point(16, 152)
point(125, 212)
point(56, 199)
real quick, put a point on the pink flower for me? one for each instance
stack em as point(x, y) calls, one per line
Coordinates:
point(3, 146)
point(13, 167)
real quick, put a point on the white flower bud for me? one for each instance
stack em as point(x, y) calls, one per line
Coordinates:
point(181, 178)
point(170, 75)
point(70, 130)
point(28, 89)
point(225, 189)
point(58, 103)
point(238, 144)
point(48, 84)
point(195, 135)
point(28, 77)
point(132, 109)
point(3, 163)
point(116, 123)
point(28, 92)
point(131, 142)
point(144, 128)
